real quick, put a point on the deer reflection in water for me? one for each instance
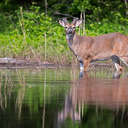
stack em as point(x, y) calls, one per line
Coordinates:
point(106, 93)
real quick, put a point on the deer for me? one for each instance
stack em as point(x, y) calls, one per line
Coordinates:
point(88, 49)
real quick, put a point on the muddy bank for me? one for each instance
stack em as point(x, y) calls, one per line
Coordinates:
point(22, 63)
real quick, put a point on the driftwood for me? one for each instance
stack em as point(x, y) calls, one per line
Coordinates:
point(22, 63)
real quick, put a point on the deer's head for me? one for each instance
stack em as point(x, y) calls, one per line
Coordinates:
point(70, 27)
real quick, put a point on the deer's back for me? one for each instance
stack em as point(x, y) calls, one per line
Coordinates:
point(104, 45)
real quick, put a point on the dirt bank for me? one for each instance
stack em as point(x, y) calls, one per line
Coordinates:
point(23, 63)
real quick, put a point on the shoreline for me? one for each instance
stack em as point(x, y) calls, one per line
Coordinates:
point(12, 63)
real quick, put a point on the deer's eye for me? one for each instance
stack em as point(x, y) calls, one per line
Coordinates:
point(66, 27)
point(73, 28)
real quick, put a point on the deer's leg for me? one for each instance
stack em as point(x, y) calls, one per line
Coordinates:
point(81, 63)
point(86, 64)
point(124, 60)
point(83, 66)
point(118, 67)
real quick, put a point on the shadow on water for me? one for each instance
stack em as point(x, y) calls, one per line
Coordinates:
point(57, 98)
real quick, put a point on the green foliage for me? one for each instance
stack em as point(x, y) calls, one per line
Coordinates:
point(29, 33)
point(105, 27)
point(26, 36)
point(95, 10)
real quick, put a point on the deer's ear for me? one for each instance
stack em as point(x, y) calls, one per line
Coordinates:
point(62, 23)
point(78, 22)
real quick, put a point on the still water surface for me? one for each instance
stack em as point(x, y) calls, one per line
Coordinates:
point(58, 98)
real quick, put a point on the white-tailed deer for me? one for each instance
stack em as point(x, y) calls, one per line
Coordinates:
point(87, 49)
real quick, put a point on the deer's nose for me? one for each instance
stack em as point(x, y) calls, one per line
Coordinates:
point(69, 30)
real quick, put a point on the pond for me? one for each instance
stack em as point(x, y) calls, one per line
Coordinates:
point(58, 98)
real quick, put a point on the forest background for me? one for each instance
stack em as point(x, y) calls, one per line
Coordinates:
point(29, 29)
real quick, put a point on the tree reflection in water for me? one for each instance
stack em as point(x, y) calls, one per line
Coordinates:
point(57, 98)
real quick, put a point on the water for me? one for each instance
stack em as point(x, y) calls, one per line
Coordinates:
point(58, 98)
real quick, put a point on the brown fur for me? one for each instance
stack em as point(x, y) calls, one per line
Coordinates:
point(91, 48)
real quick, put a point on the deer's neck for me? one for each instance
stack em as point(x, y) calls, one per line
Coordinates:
point(69, 38)
point(71, 42)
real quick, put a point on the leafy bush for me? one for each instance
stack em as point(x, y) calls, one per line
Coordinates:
point(32, 34)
